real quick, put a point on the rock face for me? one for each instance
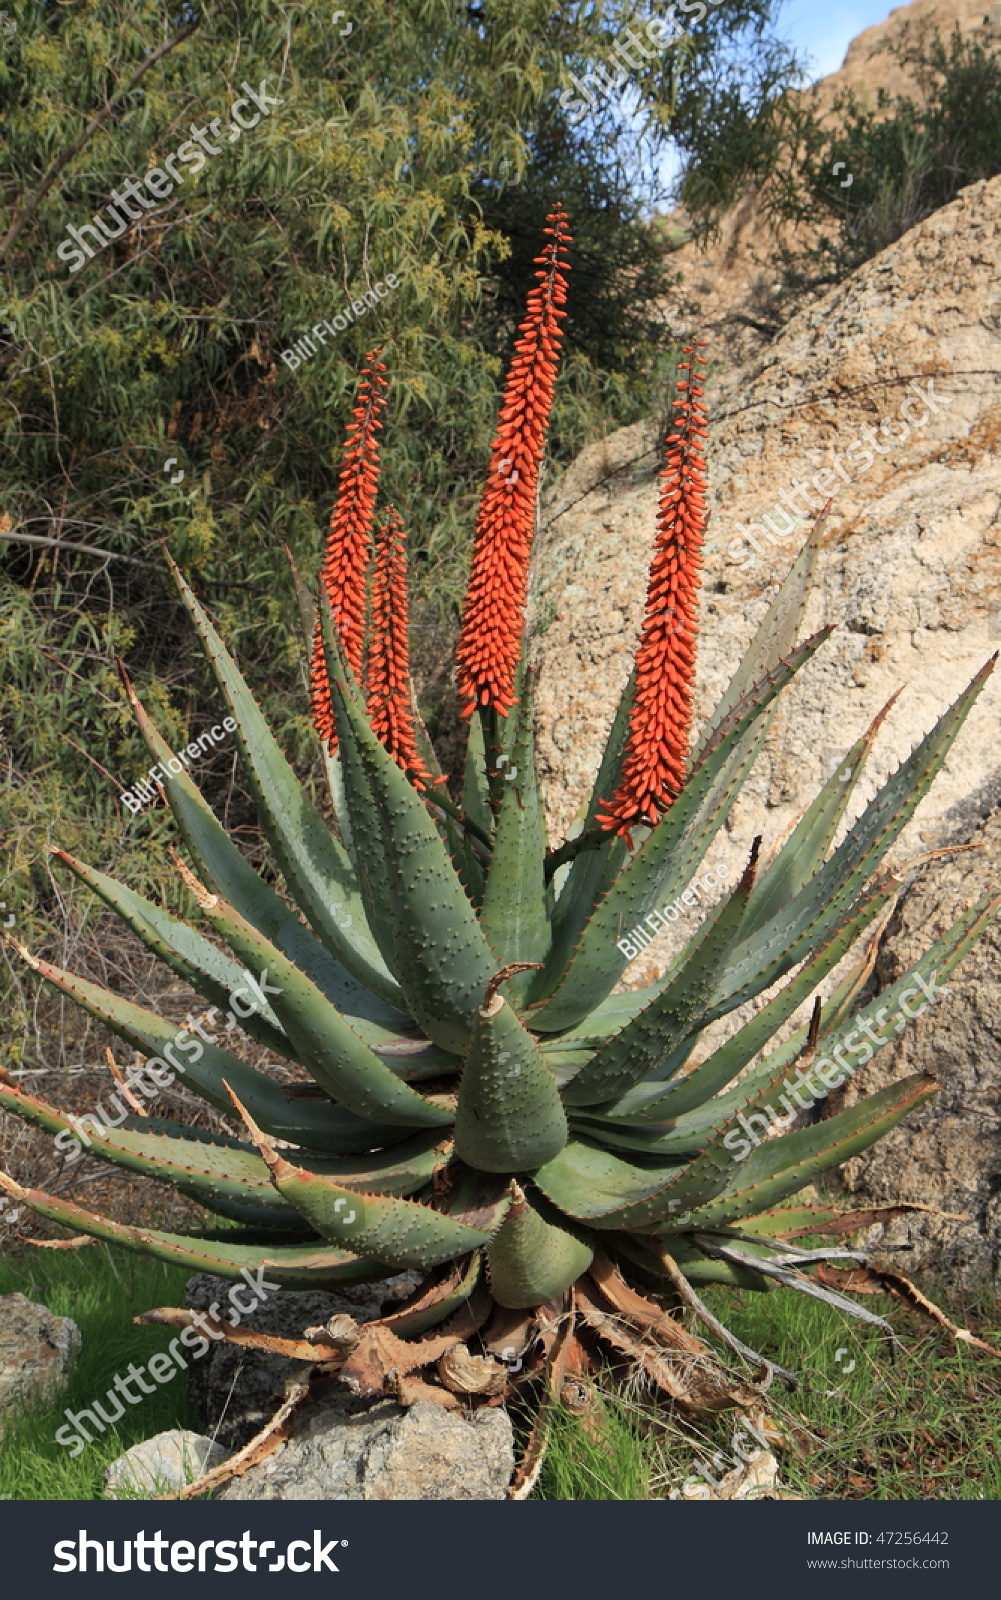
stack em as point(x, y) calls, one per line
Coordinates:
point(947, 1155)
point(35, 1349)
point(727, 286)
point(910, 570)
point(867, 68)
point(384, 1453)
point(911, 565)
point(160, 1465)
point(235, 1392)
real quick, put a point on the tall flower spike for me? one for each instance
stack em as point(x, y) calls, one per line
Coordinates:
point(390, 710)
point(655, 764)
point(349, 542)
point(493, 617)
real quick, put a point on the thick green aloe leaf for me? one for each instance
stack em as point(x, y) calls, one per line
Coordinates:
point(662, 866)
point(880, 1022)
point(442, 960)
point(697, 1267)
point(700, 1272)
point(797, 930)
point(210, 1168)
point(373, 872)
point(509, 1117)
point(810, 840)
point(782, 1166)
point(318, 1125)
point(532, 1259)
point(659, 1103)
point(221, 864)
point(458, 840)
point(637, 1140)
point(776, 635)
point(607, 781)
point(591, 872)
point(314, 864)
point(514, 915)
point(475, 789)
point(213, 1167)
point(400, 1233)
point(791, 1220)
point(768, 1083)
point(590, 1184)
point(208, 970)
point(300, 1266)
point(497, 733)
point(607, 1017)
point(712, 1113)
point(672, 1016)
point(588, 880)
point(324, 1041)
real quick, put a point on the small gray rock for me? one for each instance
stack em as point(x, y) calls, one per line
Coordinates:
point(236, 1392)
point(385, 1453)
point(35, 1348)
point(159, 1465)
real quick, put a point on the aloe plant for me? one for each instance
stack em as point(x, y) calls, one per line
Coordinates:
point(471, 1095)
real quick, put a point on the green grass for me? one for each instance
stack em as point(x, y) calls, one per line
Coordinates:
point(101, 1289)
point(924, 1425)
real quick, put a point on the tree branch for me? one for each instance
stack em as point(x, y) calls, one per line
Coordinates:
point(80, 549)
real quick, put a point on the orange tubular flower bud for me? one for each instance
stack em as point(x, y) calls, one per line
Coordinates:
point(346, 561)
point(493, 617)
point(656, 757)
point(390, 711)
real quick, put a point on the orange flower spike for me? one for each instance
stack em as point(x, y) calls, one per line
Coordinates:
point(390, 711)
point(656, 758)
point(346, 559)
point(493, 617)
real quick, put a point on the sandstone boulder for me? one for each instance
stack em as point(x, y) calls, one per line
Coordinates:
point(384, 1453)
point(910, 571)
point(947, 1155)
point(161, 1465)
point(911, 565)
point(36, 1348)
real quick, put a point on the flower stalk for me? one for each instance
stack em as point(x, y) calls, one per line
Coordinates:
point(494, 614)
point(656, 758)
point(390, 707)
point(349, 544)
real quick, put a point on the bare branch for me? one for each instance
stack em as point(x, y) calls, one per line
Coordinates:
point(82, 549)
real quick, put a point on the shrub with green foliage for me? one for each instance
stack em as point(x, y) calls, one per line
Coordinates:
point(427, 140)
point(908, 155)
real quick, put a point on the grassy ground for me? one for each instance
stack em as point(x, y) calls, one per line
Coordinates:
point(924, 1425)
point(921, 1424)
point(101, 1289)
